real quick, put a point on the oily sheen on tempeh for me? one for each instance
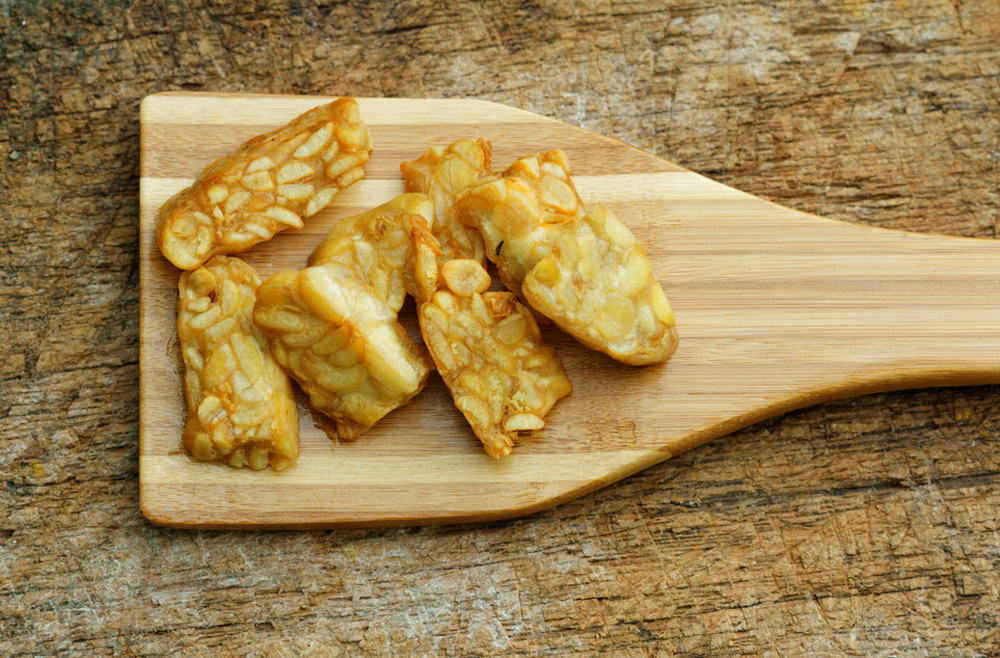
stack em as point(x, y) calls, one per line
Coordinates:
point(270, 183)
point(444, 173)
point(598, 286)
point(587, 273)
point(333, 326)
point(390, 247)
point(490, 354)
point(334, 334)
point(522, 212)
point(241, 409)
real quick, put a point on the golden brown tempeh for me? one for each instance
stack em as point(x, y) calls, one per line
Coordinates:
point(268, 184)
point(490, 354)
point(384, 246)
point(598, 286)
point(241, 409)
point(341, 342)
point(443, 174)
point(522, 212)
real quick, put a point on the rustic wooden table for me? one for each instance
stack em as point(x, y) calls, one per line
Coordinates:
point(863, 527)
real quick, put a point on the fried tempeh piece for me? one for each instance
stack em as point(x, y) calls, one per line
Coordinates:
point(443, 174)
point(598, 286)
point(268, 184)
point(522, 213)
point(241, 409)
point(384, 245)
point(490, 354)
point(342, 343)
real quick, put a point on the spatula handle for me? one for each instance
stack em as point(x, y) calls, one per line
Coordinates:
point(838, 309)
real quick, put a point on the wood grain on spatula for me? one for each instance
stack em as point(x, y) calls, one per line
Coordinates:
point(776, 309)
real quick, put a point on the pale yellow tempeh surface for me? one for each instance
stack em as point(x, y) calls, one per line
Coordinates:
point(268, 184)
point(443, 174)
point(490, 354)
point(387, 247)
point(522, 212)
point(597, 285)
point(241, 409)
point(342, 343)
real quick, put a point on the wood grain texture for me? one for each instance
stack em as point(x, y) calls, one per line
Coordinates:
point(864, 527)
point(777, 309)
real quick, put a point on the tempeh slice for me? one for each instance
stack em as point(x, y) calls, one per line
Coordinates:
point(490, 354)
point(522, 213)
point(270, 183)
point(383, 246)
point(597, 285)
point(443, 174)
point(341, 342)
point(241, 409)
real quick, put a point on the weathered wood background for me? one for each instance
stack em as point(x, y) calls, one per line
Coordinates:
point(864, 527)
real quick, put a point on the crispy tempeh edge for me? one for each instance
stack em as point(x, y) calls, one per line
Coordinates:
point(270, 183)
point(241, 408)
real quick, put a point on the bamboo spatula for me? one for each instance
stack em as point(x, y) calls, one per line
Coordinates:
point(776, 309)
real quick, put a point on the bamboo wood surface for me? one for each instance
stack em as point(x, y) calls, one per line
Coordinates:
point(776, 309)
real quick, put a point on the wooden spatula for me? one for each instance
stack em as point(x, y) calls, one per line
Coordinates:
point(776, 309)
